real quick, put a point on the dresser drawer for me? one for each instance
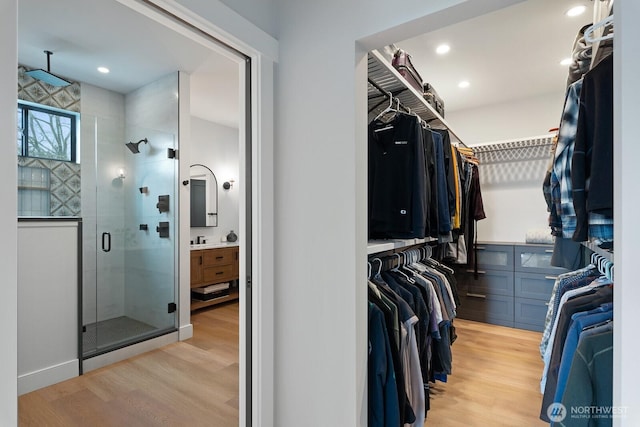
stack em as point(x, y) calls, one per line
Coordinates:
point(535, 259)
point(220, 273)
point(222, 256)
point(494, 309)
point(530, 314)
point(494, 282)
point(534, 286)
point(495, 257)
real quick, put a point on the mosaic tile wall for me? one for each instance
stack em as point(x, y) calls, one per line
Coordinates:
point(30, 89)
point(64, 177)
point(64, 183)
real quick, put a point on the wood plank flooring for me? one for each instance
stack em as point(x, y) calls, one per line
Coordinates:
point(189, 383)
point(495, 379)
point(495, 382)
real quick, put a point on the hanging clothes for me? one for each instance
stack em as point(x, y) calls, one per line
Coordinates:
point(425, 297)
point(592, 163)
point(397, 179)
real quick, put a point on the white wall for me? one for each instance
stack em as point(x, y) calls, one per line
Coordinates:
point(217, 147)
point(320, 204)
point(626, 368)
point(151, 270)
point(47, 303)
point(513, 207)
point(8, 195)
point(262, 14)
point(521, 118)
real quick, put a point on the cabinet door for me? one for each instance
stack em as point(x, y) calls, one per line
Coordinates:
point(530, 314)
point(494, 282)
point(217, 274)
point(219, 256)
point(494, 309)
point(534, 286)
point(495, 257)
point(535, 259)
point(196, 268)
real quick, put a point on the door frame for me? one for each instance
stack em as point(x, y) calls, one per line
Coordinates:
point(255, 52)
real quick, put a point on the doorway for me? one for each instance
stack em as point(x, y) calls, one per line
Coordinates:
point(133, 289)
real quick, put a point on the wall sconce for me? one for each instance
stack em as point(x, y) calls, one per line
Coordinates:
point(227, 185)
point(121, 173)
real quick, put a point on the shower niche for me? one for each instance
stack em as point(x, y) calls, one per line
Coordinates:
point(130, 278)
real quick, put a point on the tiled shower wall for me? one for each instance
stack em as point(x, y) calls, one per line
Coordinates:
point(62, 197)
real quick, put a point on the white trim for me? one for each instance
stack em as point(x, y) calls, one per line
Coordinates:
point(262, 49)
point(185, 332)
point(127, 352)
point(47, 376)
point(263, 237)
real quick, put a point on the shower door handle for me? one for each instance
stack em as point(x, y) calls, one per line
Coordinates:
point(106, 243)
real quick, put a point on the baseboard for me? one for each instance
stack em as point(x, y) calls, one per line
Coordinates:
point(47, 376)
point(186, 332)
point(127, 352)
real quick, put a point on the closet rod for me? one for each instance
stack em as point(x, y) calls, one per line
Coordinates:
point(391, 95)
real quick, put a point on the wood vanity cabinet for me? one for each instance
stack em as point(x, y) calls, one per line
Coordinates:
point(211, 266)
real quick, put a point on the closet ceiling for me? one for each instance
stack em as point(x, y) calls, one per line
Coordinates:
point(513, 53)
point(84, 35)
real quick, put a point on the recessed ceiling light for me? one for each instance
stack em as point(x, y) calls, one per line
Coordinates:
point(566, 61)
point(576, 10)
point(463, 84)
point(442, 49)
point(103, 70)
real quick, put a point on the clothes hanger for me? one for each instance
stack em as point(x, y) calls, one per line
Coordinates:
point(368, 270)
point(588, 33)
point(397, 269)
point(388, 109)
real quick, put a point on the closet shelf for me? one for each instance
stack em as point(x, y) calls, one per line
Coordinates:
point(377, 246)
point(384, 75)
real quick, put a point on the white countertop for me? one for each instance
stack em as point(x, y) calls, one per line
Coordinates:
point(213, 245)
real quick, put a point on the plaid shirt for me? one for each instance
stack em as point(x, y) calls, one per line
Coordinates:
point(561, 174)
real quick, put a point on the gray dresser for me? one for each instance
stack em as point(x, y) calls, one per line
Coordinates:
point(513, 285)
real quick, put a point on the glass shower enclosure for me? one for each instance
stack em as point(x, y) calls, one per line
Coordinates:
point(130, 238)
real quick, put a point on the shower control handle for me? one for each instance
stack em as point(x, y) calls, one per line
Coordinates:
point(106, 243)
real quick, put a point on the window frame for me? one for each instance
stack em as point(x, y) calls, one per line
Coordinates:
point(26, 108)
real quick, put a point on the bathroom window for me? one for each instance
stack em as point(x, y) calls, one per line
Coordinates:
point(46, 133)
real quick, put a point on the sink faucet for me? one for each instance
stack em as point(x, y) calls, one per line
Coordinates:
point(200, 240)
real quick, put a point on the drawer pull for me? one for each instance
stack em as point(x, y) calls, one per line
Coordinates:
point(477, 296)
point(219, 273)
point(481, 248)
point(219, 257)
point(479, 271)
point(549, 251)
point(551, 277)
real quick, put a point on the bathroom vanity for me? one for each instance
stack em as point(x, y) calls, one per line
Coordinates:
point(213, 265)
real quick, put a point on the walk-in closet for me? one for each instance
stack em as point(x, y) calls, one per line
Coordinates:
point(490, 221)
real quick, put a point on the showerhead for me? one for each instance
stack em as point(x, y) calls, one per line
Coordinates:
point(135, 146)
point(47, 76)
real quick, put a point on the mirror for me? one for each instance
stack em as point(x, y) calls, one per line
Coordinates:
point(204, 197)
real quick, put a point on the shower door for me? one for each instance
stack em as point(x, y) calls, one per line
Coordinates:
point(132, 296)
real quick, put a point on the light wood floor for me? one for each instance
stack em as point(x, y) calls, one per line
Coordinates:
point(495, 379)
point(495, 382)
point(189, 383)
